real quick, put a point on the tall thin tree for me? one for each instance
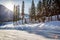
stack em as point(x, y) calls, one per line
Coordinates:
point(22, 11)
point(16, 13)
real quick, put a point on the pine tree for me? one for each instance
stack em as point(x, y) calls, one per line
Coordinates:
point(22, 11)
point(32, 13)
point(58, 8)
point(45, 8)
point(47, 5)
point(54, 9)
point(49, 10)
point(39, 10)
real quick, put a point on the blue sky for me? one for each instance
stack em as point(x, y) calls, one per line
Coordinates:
point(10, 3)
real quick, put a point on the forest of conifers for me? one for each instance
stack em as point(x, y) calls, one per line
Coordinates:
point(45, 8)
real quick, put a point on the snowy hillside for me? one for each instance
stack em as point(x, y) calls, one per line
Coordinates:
point(5, 14)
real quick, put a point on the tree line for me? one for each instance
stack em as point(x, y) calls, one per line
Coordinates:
point(45, 8)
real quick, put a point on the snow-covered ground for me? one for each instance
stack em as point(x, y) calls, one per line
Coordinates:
point(20, 35)
point(45, 31)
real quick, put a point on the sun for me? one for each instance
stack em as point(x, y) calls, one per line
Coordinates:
point(9, 5)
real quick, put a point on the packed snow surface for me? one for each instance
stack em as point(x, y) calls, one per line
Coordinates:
point(20, 35)
point(47, 30)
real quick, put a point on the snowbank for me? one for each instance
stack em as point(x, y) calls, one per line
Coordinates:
point(51, 25)
point(48, 25)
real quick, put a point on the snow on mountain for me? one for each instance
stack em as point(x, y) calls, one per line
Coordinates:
point(5, 14)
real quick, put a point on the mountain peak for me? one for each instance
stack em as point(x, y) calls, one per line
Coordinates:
point(1, 5)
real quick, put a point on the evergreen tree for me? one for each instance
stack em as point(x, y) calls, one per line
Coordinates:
point(54, 9)
point(58, 8)
point(39, 10)
point(32, 12)
point(22, 11)
point(47, 6)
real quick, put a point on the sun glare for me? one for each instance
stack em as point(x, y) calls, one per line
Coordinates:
point(9, 5)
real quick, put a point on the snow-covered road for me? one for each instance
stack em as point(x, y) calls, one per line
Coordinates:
point(20, 35)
